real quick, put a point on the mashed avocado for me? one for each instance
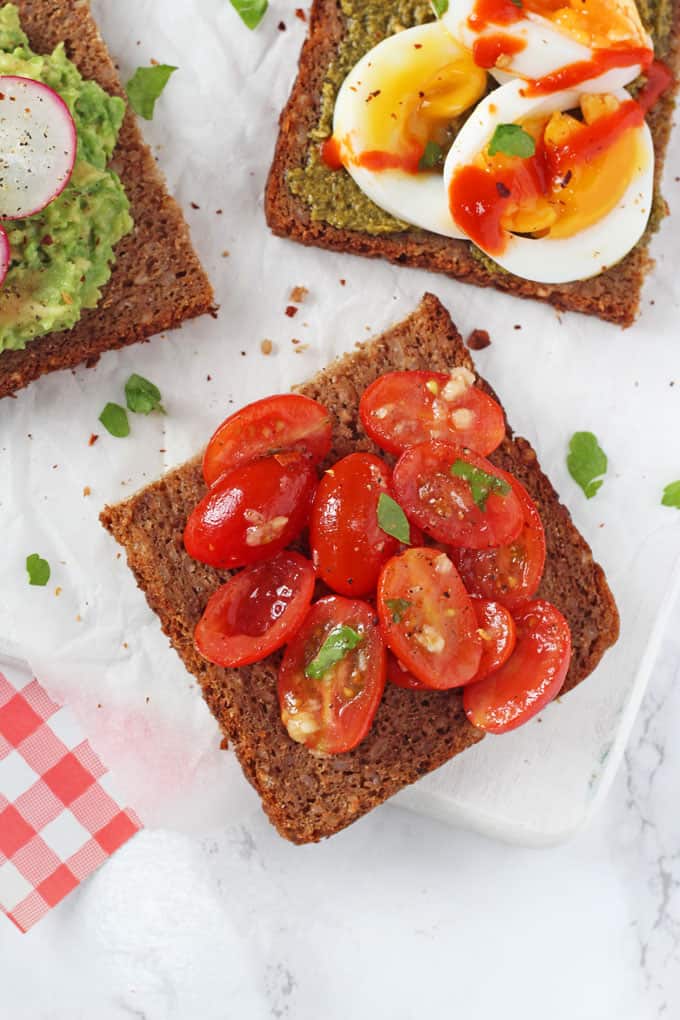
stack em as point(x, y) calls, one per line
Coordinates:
point(61, 257)
point(331, 195)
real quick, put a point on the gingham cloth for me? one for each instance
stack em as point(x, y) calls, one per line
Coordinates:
point(59, 819)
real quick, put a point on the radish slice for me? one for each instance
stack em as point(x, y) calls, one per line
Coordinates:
point(5, 255)
point(38, 144)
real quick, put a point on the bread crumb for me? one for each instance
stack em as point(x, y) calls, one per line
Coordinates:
point(194, 205)
point(266, 347)
point(299, 13)
point(58, 591)
point(154, 63)
point(93, 439)
point(225, 254)
point(343, 283)
point(478, 340)
point(282, 26)
point(87, 491)
point(291, 311)
point(517, 326)
point(302, 348)
point(79, 618)
point(298, 294)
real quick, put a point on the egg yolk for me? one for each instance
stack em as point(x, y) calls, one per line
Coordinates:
point(580, 171)
point(418, 101)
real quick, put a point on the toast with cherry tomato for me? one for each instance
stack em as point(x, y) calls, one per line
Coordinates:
point(353, 652)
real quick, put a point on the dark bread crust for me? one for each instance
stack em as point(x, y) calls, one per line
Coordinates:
point(613, 295)
point(305, 796)
point(157, 280)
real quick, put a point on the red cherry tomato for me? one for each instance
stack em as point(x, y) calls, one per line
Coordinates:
point(285, 422)
point(456, 496)
point(253, 512)
point(428, 620)
point(348, 545)
point(256, 611)
point(402, 409)
point(532, 676)
point(332, 712)
point(511, 573)
point(497, 632)
point(401, 677)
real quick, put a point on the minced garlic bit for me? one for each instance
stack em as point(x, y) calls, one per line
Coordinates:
point(443, 564)
point(301, 726)
point(430, 639)
point(382, 412)
point(462, 418)
point(433, 386)
point(461, 380)
point(264, 532)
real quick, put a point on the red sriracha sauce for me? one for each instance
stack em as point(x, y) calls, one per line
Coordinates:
point(330, 154)
point(488, 49)
point(659, 80)
point(376, 159)
point(495, 12)
point(583, 70)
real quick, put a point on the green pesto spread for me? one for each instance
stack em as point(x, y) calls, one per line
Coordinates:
point(331, 195)
point(62, 256)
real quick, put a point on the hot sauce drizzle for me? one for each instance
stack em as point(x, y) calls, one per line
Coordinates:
point(659, 80)
point(495, 12)
point(330, 154)
point(488, 50)
point(574, 74)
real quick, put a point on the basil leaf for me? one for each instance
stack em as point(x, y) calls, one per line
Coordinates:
point(481, 483)
point(671, 495)
point(251, 12)
point(146, 85)
point(115, 420)
point(38, 570)
point(398, 608)
point(432, 155)
point(587, 462)
point(340, 641)
point(512, 140)
point(439, 7)
point(142, 396)
point(392, 519)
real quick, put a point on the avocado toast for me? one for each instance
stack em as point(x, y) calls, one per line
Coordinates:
point(309, 797)
point(308, 202)
point(156, 280)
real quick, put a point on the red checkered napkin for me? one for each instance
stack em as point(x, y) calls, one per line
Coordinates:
point(59, 819)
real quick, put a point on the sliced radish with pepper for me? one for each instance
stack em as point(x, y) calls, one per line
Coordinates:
point(38, 145)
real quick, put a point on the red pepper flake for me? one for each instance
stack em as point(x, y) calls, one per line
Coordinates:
point(298, 294)
point(299, 13)
point(478, 340)
point(291, 311)
point(93, 439)
point(47, 240)
point(343, 283)
point(282, 26)
point(372, 95)
point(194, 206)
point(502, 189)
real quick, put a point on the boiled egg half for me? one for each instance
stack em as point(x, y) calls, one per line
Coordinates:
point(395, 116)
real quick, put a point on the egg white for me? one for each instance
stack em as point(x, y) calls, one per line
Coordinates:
point(547, 49)
point(588, 252)
point(418, 199)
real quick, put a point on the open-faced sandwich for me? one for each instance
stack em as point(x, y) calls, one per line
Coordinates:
point(407, 577)
point(512, 143)
point(94, 254)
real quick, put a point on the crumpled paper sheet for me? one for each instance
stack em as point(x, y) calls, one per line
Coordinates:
point(90, 636)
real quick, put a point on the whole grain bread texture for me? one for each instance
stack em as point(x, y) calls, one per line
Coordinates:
point(307, 796)
point(157, 280)
point(613, 295)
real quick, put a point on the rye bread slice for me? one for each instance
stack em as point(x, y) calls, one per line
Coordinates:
point(613, 295)
point(157, 280)
point(308, 797)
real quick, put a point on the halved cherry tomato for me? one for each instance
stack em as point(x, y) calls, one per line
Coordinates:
point(333, 712)
point(253, 512)
point(348, 545)
point(428, 620)
point(456, 496)
point(285, 422)
point(497, 632)
point(401, 677)
point(402, 409)
point(257, 611)
point(532, 676)
point(511, 573)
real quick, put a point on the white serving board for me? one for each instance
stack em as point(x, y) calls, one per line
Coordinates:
point(98, 646)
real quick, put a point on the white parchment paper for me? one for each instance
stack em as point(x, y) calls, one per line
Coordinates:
point(90, 636)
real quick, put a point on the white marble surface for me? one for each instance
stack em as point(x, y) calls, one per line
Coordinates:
point(398, 917)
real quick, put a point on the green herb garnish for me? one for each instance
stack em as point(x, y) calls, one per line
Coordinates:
point(512, 140)
point(481, 483)
point(671, 495)
point(587, 462)
point(38, 570)
point(115, 420)
point(518, 3)
point(398, 608)
point(142, 396)
point(431, 157)
point(145, 87)
point(392, 519)
point(251, 12)
point(340, 641)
